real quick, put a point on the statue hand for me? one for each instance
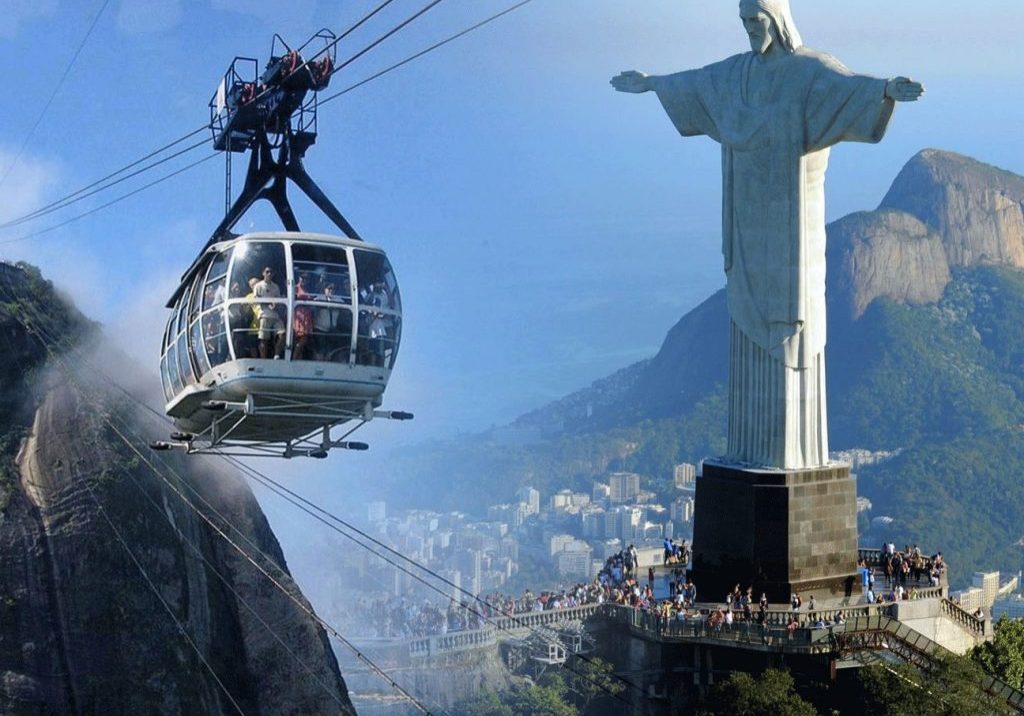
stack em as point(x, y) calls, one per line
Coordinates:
point(632, 81)
point(903, 89)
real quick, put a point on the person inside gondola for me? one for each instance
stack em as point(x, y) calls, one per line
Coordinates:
point(247, 329)
point(302, 323)
point(378, 333)
point(271, 327)
point(329, 327)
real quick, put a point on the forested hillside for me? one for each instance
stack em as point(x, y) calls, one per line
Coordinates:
point(925, 359)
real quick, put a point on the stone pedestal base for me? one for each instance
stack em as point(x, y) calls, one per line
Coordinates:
point(780, 531)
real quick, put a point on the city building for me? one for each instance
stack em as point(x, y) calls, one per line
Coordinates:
point(624, 486)
point(559, 543)
point(988, 583)
point(530, 497)
point(681, 510)
point(602, 491)
point(630, 523)
point(512, 515)
point(575, 564)
point(469, 563)
point(561, 499)
point(593, 522)
point(685, 476)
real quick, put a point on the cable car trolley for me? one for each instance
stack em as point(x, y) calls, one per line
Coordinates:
point(276, 339)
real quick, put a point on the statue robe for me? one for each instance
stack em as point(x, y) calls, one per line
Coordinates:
point(775, 121)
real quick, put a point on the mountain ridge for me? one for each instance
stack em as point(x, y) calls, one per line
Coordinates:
point(924, 297)
point(115, 595)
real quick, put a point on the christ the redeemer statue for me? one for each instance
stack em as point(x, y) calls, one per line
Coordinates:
point(775, 111)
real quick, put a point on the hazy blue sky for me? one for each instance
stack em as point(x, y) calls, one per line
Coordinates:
point(545, 229)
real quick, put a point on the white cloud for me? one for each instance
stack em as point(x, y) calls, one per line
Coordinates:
point(28, 186)
point(15, 12)
point(140, 312)
point(141, 17)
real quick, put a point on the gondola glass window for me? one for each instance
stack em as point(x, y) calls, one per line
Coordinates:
point(214, 344)
point(258, 318)
point(322, 289)
point(380, 309)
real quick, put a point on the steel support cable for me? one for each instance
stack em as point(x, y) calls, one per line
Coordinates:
point(276, 582)
point(53, 95)
point(121, 198)
point(166, 606)
point(409, 20)
point(335, 41)
point(131, 555)
point(230, 587)
point(295, 499)
point(419, 54)
point(70, 198)
point(85, 192)
point(284, 590)
point(280, 490)
point(493, 621)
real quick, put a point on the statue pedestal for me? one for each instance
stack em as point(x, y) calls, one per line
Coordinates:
point(780, 531)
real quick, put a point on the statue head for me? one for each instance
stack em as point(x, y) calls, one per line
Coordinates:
point(769, 22)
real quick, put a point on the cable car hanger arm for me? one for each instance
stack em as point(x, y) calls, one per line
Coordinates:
point(267, 177)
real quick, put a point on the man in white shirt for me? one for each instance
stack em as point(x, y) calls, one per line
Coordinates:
point(271, 327)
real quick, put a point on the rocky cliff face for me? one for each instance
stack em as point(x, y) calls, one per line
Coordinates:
point(943, 211)
point(884, 253)
point(98, 551)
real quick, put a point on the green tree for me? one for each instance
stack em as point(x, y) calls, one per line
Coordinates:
point(548, 699)
point(591, 680)
point(772, 694)
point(545, 699)
point(951, 687)
point(1003, 657)
point(485, 703)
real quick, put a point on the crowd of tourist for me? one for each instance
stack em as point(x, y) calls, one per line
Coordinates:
point(619, 582)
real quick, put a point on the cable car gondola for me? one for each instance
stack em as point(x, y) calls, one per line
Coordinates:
point(276, 338)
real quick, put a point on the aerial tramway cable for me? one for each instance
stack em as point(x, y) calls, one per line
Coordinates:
point(85, 192)
point(56, 89)
point(46, 340)
point(77, 195)
point(309, 508)
point(163, 602)
point(134, 559)
point(295, 499)
point(121, 198)
point(428, 50)
point(80, 194)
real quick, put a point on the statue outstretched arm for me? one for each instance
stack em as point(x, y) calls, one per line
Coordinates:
point(633, 82)
point(903, 89)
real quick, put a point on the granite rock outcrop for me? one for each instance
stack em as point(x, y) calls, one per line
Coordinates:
point(119, 592)
point(943, 211)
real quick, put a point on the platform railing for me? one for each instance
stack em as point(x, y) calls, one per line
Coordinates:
point(452, 643)
point(964, 618)
point(547, 617)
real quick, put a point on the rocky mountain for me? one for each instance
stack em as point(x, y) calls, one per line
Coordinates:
point(118, 596)
point(925, 362)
